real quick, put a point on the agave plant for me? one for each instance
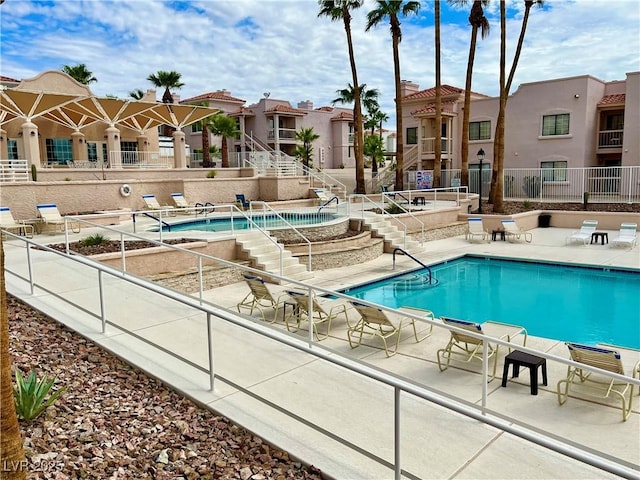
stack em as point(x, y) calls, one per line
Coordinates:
point(95, 239)
point(31, 394)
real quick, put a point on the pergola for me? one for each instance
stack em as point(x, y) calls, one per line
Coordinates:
point(77, 112)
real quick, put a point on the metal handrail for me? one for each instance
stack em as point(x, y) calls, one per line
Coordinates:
point(399, 385)
point(404, 252)
point(328, 202)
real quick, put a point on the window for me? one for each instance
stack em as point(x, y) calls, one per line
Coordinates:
point(12, 148)
point(555, 124)
point(59, 151)
point(196, 127)
point(129, 146)
point(92, 151)
point(615, 122)
point(554, 171)
point(412, 136)
point(480, 130)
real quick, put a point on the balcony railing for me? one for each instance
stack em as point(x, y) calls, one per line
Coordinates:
point(118, 159)
point(13, 171)
point(610, 139)
point(283, 134)
point(429, 145)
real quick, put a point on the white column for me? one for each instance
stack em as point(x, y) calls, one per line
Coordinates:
point(30, 143)
point(79, 147)
point(113, 145)
point(179, 152)
point(4, 145)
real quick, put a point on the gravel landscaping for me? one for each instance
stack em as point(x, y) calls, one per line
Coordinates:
point(113, 421)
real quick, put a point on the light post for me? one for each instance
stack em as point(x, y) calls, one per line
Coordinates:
point(480, 159)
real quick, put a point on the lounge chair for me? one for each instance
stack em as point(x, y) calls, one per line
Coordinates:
point(468, 348)
point(8, 223)
point(191, 208)
point(512, 231)
point(242, 202)
point(260, 298)
point(628, 235)
point(476, 229)
point(325, 196)
point(151, 203)
point(375, 322)
point(51, 219)
point(597, 385)
point(324, 311)
point(584, 234)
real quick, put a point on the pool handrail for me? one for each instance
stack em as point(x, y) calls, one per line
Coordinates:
point(404, 252)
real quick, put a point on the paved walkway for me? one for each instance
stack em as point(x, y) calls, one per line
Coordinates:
point(334, 407)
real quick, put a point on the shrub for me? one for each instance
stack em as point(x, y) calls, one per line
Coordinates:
point(394, 209)
point(211, 174)
point(31, 395)
point(34, 173)
point(95, 239)
point(527, 204)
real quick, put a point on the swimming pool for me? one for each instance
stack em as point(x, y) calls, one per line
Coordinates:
point(569, 303)
point(224, 224)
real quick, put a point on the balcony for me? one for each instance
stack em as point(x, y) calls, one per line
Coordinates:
point(283, 134)
point(610, 139)
point(429, 145)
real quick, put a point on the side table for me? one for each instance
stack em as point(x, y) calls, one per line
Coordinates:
point(532, 362)
point(603, 236)
point(496, 232)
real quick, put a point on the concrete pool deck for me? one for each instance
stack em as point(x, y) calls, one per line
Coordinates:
point(338, 407)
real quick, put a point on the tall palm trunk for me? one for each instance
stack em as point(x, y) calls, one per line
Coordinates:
point(399, 183)
point(225, 152)
point(476, 12)
point(438, 136)
point(12, 459)
point(496, 194)
point(527, 9)
point(358, 138)
point(206, 155)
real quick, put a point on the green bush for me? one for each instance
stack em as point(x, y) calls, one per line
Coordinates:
point(211, 174)
point(394, 209)
point(95, 239)
point(31, 395)
point(34, 173)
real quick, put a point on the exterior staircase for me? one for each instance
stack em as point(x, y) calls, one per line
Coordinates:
point(393, 237)
point(264, 254)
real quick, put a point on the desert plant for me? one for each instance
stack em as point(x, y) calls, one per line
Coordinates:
point(31, 394)
point(585, 200)
point(34, 173)
point(394, 209)
point(95, 239)
point(527, 204)
point(67, 179)
point(211, 174)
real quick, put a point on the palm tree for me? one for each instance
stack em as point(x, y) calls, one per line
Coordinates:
point(79, 73)
point(168, 81)
point(390, 9)
point(224, 126)
point(307, 137)
point(375, 118)
point(341, 10)
point(437, 162)
point(477, 20)
point(11, 451)
point(496, 195)
point(136, 94)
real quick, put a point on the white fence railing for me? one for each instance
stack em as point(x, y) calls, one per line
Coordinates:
point(119, 159)
point(14, 171)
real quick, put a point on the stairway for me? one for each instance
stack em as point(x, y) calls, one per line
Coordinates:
point(393, 237)
point(264, 254)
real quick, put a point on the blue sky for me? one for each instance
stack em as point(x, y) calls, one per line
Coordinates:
point(250, 47)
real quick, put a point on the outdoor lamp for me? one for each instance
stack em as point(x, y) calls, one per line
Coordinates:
point(480, 159)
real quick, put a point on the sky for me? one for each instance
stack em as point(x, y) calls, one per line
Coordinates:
point(282, 48)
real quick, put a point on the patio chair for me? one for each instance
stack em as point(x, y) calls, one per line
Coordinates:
point(628, 235)
point(241, 201)
point(596, 385)
point(325, 196)
point(324, 311)
point(7, 222)
point(475, 229)
point(51, 219)
point(468, 348)
point(151, 203)
point(512, 231)
point(375, 322)
point(584, 234)
point(260, 298)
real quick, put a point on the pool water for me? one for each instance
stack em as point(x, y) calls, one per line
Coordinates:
point(580, 304)
point(241, 223)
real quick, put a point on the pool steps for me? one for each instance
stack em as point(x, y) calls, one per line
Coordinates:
point(392, 235)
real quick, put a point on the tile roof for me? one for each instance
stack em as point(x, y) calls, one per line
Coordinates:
point(431, 108)
point(8, 79)
point(618, 99)
point(343, 116)
point(280, 107)
point(431, 92)
point(325, 109)
point(219, 95)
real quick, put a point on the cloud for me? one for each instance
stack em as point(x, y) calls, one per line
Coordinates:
point(282, 46)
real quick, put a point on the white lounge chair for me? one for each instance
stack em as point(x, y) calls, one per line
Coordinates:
point(7, 222)
point(584, 234)
point(628, 235)
point(325, 196)
point(51, 218)
point(475, 229)
point(151, 203)
point(512, 231)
